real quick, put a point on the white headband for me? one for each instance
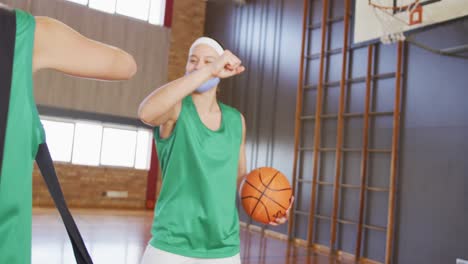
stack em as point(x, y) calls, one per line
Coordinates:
point(208, 41)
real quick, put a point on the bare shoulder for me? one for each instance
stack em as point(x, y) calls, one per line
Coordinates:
point(42, 21)
point(47, 26)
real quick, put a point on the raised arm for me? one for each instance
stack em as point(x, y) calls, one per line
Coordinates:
point(163, 105)
point(59, 47)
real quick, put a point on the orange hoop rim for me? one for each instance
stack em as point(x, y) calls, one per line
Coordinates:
point(395, 8)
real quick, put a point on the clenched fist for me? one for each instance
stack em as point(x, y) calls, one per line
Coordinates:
point(227, 65)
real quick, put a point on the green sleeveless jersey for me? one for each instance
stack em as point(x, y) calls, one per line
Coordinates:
point(196, 214)
point(23, 135)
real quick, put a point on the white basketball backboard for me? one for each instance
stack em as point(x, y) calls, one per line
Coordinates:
point(368, 20)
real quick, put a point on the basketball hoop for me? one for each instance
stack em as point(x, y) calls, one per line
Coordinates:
point(396, 16)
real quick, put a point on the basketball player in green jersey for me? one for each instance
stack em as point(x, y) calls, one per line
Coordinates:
point(39, 43)
point(200, 144)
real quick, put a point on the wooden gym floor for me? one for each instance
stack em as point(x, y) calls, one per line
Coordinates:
point(120, 237)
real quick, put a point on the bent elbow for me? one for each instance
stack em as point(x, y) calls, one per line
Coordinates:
point(123, 66)
point(145, 117)
point(131, 67)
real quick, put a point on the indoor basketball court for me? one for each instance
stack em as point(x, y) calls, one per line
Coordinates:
point(233, 131)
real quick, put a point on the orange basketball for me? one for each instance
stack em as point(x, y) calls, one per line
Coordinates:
point(266, 194)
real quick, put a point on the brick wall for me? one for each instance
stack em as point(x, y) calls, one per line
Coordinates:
point(85, 186)
point(188, 20)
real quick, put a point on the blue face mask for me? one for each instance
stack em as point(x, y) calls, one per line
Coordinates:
point(208, 85)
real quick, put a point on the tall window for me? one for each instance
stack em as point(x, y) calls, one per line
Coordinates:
point(146, 10)
point(87, 143)
point(119, 146)
point(98, 144)
point(60, 136)
point(107, 6)
point(136, 9)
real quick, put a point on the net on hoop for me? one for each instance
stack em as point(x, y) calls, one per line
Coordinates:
point(396, 16)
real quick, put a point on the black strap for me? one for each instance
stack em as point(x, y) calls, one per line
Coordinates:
point(7, 51)
point(46, 166)
point(43, 159)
